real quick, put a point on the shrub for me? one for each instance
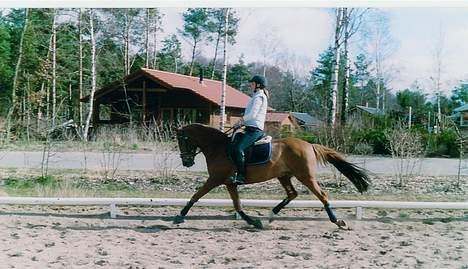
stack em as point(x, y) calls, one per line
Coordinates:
point(442, 144)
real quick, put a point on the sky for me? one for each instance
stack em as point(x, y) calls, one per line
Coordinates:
point(303, 33)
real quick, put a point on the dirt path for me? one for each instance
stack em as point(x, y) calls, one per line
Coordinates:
point(171, 161)
point(75, 238)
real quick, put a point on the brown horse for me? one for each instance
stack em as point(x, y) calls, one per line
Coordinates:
point(290, 157)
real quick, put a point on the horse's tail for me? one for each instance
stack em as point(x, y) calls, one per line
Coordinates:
point(355, 174)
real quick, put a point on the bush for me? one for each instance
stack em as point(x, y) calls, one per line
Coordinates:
point(442, 144)
point(306, 136)
point(375, 138)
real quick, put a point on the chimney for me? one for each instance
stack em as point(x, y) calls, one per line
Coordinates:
point(367, 104)
point(201, 75)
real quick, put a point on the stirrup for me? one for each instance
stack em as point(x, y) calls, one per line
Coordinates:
point(238, 179)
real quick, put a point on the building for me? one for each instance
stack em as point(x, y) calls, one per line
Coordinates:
point(154, 96)
point(460, 116)
point(363, 116)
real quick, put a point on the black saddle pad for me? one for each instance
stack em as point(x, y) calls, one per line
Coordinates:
point(260, 154)
point(256, 154)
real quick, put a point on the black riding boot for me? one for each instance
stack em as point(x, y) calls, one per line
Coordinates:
point(239, 176)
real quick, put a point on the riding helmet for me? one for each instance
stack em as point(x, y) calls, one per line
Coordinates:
point(259, 80)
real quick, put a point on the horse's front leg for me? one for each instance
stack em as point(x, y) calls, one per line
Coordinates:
point(290, 191)
point(232, 189)
point(210, 184)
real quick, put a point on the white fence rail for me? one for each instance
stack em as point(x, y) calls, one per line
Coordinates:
point(114, 202)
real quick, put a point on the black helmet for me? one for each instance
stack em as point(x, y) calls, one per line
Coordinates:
point(259, 80)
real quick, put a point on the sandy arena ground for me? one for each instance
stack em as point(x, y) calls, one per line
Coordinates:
point(77, 237)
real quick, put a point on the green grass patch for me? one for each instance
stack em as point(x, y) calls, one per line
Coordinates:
point(43, 181)
point(403, 215)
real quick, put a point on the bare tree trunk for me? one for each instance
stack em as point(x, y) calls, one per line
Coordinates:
point(438, 56)
point(127, 43)
point(80, 28)
point(194, 48)
point(155, 37)
point(215, 56)
point(223, 92)
point(147, 38)
point(54, 68)
point(93, 74)
point(15, 78)
point(345, 101)
point(40, 106)
point(336, 65)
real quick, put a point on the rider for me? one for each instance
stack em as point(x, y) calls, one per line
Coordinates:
point(254, 122)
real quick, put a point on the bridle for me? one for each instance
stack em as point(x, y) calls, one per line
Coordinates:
point(188, 151)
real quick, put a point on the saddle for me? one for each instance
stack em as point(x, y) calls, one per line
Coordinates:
point(258, 153)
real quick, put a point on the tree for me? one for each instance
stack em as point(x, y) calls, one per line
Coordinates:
point(216, 30)
point(333, 98)
point(170, 56)
point(6, 71)
point(319, 85)
point(223, 92)
point(194, 29)
point(361, 77)
point(460, 94)
point(381, 47)
point(438, 68)
point(93, 74)
point(126, 26)
point(15, 78)
point(238, 75)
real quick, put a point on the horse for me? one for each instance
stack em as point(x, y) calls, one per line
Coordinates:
point(289, 157)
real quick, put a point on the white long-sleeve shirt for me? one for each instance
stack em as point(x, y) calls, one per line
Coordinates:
point(255, 112)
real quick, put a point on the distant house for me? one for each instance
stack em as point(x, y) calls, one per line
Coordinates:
point(275, 122)
point(151, 95)
point(460, 115)
point(363, 116)
point(306, 121)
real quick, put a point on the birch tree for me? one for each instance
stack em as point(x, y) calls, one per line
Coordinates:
point(438, 54)
point(352, 20)
point(93, 74)
point(54, 67)
point(334, 81)
point(80, 86)
point(217, 29)
point(15, 78)
point(223, 92)
point(382, 46)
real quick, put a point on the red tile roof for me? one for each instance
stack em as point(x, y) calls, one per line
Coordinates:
point(276, 116)
point(210, 89)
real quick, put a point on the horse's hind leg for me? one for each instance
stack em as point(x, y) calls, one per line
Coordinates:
point(208, 186)
point(290, 191)
point(232, 189)
point(311, 183)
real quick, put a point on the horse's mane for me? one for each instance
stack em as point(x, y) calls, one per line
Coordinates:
point(214, 135)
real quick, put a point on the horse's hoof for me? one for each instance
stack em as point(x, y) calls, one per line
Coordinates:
point(257, 224)
point(178, 219)
point(342, 225)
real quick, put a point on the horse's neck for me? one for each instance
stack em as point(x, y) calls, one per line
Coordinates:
point(211, 139)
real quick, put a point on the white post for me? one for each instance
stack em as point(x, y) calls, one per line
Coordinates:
point(113, 211)
point(359, 212)
point(409, 118)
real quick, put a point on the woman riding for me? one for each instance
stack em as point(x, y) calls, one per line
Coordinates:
point(254, 122)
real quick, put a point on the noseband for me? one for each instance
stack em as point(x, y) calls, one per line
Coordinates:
point(187, 149)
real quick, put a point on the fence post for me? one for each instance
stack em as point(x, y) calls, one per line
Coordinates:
point(359, 212)
point(113, 211)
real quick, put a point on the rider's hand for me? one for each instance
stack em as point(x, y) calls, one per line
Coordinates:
point(237, 125)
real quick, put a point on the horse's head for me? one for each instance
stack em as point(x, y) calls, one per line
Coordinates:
point(186, 146)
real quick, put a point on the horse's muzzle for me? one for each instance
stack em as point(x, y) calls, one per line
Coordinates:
point(188, 162)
